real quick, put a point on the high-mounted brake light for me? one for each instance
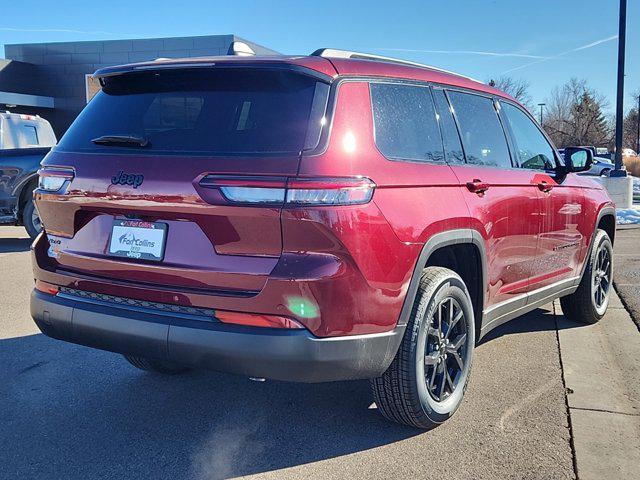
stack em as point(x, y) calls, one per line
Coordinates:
point(293, 191)
point(54, 180)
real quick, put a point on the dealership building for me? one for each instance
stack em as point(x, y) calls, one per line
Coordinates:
point(53, 80)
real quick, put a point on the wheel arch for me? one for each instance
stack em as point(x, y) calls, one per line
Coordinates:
point(606, 220)
point(23, 189)
point(449, 242)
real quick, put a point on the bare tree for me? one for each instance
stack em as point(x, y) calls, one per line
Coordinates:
point(630, 134)
point(518, 88)
point(575, 116)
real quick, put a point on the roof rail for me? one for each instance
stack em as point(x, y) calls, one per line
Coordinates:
point(336, 53)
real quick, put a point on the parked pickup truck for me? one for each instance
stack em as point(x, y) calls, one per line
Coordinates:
point(24, 141)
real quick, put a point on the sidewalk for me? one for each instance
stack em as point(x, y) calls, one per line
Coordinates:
point(601, 371)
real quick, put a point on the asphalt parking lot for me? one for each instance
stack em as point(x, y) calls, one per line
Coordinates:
point(627, 263)
point(67, 411)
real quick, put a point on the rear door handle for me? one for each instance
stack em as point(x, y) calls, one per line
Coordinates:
point(477, 186)
point(545, 186)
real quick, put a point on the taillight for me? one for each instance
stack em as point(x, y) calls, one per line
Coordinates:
point(45, 287)
point(54, 180)
point(293, 191)
point(329, 191)
point(257, 320)
point(248, 190)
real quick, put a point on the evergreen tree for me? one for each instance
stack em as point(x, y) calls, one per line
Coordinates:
point(576, 116)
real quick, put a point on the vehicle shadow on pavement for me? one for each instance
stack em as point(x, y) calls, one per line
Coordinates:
point(538, 320)
point(70, 412)
point(11, 245)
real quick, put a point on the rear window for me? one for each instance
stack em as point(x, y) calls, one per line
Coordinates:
point(238, 111)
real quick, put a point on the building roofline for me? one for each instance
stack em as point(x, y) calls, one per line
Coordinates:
point(121, 40)
point(26, 100)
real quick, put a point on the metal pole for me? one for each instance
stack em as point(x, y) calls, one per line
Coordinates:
point(638, 126)
point(618, 172)
point(541, 105)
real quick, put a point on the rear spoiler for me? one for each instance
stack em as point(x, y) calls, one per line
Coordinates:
point(207, 62)
point(160, 64)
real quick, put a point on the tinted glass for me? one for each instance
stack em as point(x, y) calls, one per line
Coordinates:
point(29, 135)
point(452, 146)
point(213, 111)
point(532, 148)
point(482, 135)
point(405, 122)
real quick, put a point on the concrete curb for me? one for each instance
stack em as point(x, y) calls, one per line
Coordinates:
point(626, 264)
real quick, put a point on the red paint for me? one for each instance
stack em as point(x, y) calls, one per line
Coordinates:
point(354, 263)
point(253, 320)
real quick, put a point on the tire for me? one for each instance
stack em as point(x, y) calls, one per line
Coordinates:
point(30, 218)
point(156, 366)
point(605, 172)
point(589, 302)
point(403, 393)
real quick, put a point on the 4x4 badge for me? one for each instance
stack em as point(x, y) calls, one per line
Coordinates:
point(132, 179)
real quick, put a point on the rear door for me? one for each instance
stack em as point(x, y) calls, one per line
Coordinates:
point(503, 199)
point(560, 240)
point(200, 153)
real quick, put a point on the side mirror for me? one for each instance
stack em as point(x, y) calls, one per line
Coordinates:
point(577, 159)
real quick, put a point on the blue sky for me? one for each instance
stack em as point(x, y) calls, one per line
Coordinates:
point(545, 41)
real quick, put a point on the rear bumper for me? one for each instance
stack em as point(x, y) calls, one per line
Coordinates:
point(290, 355)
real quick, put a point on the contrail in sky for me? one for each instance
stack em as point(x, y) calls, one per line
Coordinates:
point(562, 54)
point(464, 52)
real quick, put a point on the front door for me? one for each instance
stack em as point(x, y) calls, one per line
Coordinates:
point(560, 239)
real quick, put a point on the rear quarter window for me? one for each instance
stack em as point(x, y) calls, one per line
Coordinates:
point(405, 122)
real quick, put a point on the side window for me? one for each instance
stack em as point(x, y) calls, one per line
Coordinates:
point(405, 122)
point(532, 149)
point(29, 135)
point(482, 134)
point(452, 146)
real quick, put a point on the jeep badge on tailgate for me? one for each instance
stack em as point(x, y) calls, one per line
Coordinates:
point(122, 178)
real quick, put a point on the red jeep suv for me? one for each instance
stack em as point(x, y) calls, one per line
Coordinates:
point(328, 217)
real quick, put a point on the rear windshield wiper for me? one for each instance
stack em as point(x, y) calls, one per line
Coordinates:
point(127, 140)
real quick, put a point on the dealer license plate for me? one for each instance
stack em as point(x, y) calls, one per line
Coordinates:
point(138, 239)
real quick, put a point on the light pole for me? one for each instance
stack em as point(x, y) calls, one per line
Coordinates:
point(638, 127)
point(622, 30)
point(541, 105)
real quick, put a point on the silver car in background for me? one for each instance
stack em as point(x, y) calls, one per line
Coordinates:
point(601, 166)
